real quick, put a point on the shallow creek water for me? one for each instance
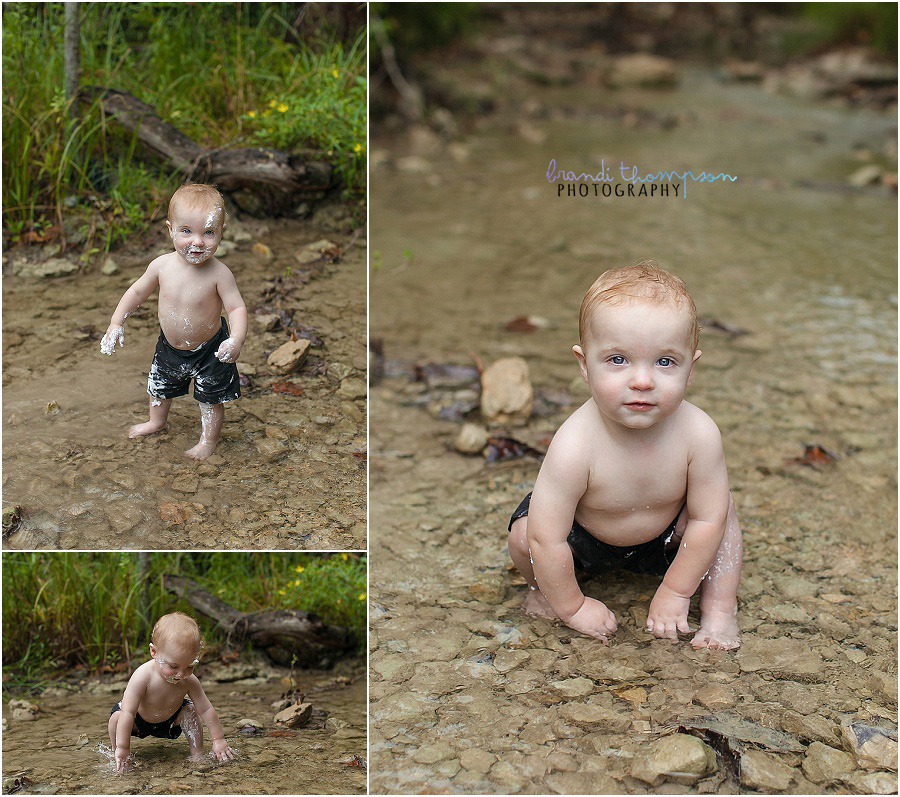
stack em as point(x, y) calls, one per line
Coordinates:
point(61, 751)
point(468, 695)
point(288, 471)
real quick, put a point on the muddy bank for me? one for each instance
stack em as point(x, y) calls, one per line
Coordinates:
point(61, 750)
point(288, 471)
point(467, 694)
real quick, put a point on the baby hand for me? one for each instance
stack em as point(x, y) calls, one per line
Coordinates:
point(594, 619)
point(228, 351)
point(668, 614)
point(114, 335)
point(221, 750)
point(122, 754)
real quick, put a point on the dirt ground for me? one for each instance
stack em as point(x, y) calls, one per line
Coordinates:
point(61, 751)
point(289, 470)
point(467, 694)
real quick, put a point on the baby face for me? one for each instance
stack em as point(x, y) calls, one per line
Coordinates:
point(196, 232)
point(637, 361)
point(174, 662)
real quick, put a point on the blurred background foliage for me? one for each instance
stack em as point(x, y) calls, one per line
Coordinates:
point(282, 75)
point(95, 610)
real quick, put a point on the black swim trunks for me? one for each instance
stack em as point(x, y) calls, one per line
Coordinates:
point(592, 556)
point(172, 369)
point(161, 730)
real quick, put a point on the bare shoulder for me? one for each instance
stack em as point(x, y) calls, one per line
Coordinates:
point(137, 684)
point(570, 450)
point(699, 428)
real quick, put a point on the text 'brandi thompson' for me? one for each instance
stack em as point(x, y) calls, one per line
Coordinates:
point(627, 181)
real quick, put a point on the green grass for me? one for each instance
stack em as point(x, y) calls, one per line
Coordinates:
point(91, 610)
point(210, 69)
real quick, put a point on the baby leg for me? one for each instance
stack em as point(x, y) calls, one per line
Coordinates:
point(718, 591)
point(193, 731)
point(535, 603)
point(211, 418)
point(159, 412)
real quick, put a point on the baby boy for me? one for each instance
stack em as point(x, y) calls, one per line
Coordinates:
point(194, 340)
point(164, 697)
point(635, 478)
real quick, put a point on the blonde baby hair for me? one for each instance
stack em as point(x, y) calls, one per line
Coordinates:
point(646, 280)
point(194, 195)
point(176, 629)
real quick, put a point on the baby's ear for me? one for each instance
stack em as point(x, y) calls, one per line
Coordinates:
point(579, 355)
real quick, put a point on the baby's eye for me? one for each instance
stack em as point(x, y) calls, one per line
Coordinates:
point(665, 361)
point(210, 232)
point(185, 231)
point(617, 359)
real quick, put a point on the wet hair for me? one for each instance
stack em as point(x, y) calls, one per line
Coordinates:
point(197, 195)
point(647, 281)
point(176, 629)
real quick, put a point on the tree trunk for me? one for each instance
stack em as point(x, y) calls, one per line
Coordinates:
point(282, 178)
point(285, 634)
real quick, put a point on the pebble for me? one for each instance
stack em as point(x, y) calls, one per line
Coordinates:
point(824, 764)
point(475, 760)
point(295, 716)
point(591, 714)
point(288, 357)
point(352, 388)
point(679, 757)
point(714, 696)
point(643, 69)
point(506, 392)
point(432, 753)
point(573, 687)
point(765, 772)
point(471, 439)
point(874, 748)
point(110, 267)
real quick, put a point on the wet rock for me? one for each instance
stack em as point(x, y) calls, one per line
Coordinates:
point(54, 267)
point(591, 714)
point(715, 696)
point(524, 681)
point(874, 747)
point(338, 372)
point(225, 248)
point(812, 727)
point(262, 251)
point(110, 267)
point(573, 687)
point(172, 514)
point(865, 175)
point(765, 772)
point(267, 322)
point(248, 726)
point(24, 710)
point(475, 760)
point(679, 757)
point(506, 392)
point(790, 659)
point(824, 764)
point(644, 70)
point(288, 357)
point(491, 591)
point(471, 439)
point(352, 388)
point(582, 783)
point(507, 660)
point(295, 716)
point(871, 782)
point(432, 753)
point(272, 450)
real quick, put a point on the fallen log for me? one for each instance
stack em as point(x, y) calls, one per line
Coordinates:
point(283, 633)
point(291, 177)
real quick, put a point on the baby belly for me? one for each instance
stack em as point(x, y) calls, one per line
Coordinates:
point(632, 528)
point(186, 334)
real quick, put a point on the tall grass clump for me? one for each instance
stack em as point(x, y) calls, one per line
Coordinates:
point(95, 610)
point(210, 69)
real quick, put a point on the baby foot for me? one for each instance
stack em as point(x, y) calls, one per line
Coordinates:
point(718, 631)
point(143, 429)
point(536, 605)
point(200, 451)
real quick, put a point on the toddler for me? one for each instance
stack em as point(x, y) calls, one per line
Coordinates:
point(164, 697)
point(194, 339)
point(635, 478)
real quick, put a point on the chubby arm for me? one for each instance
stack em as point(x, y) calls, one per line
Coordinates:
point(131, 700)
point(561, 483)
point(133, 298)
point(236, 310)
point(707, 508)
point(207, 713)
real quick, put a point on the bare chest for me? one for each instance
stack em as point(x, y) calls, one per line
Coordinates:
point(161, 701)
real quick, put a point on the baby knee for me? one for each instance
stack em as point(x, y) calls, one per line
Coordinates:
point(518, 534)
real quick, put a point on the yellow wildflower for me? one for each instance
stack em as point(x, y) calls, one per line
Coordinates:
point(357, 147)
point(344, 556)
point(272, 103)
point(362, 596)
point(281, 108)
point(266, 112)
point(299, 569)
point(281, 592)
point(334, 72)
point(251, 114)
